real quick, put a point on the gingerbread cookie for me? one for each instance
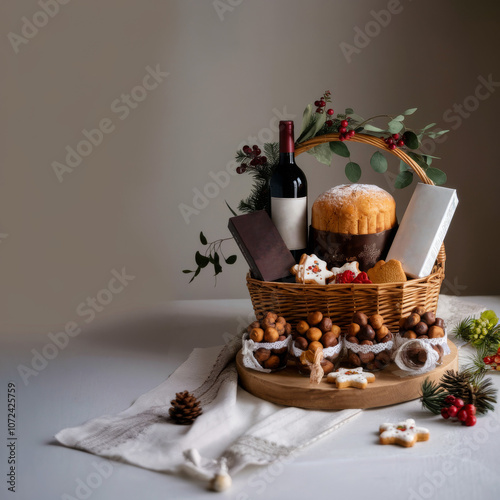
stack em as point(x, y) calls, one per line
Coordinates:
point(387, 272)
point(351, 378)
point(404, 433)
point(311, 270)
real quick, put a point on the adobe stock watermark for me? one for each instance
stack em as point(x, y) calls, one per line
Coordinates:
point(433, 483)
point(220, 180)
point(31, 27)
point(122, 107)
point(88, 310)
point(85, 487)
point(372, 29)
point(223, 6)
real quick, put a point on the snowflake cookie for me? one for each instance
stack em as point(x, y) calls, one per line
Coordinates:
point(311, 269)
point(351, 270)
point(351, 378)
point(404, 433)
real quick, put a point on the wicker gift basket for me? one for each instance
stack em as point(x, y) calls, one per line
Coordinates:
point(339, 302)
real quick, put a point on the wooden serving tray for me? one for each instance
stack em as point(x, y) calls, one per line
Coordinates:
point(287, 387)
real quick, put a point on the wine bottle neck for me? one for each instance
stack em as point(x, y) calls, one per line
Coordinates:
point(287, 158)
point(286, 137)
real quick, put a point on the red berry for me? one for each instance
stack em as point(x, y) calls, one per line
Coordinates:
point(329, 123)
point(445, 413)
point(392, 146)
point(263, 160)
point(316, 103)
point(322, 103)
point(319, 110)
point(390, 140)
point(400, 143)
point(470, 420)
point(330, 112)
point(344, 123)
point(351, 133)
point(470, 409)
point(450, 400)
point(255, 147)
point(452, 411)
point(342, 137)
point(462, 415)
point(241, 169)
point(247, 149)
point(395, 136)
point(459, 403)
point(342, 130)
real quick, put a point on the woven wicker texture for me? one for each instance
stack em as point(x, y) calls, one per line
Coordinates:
point(340, 302)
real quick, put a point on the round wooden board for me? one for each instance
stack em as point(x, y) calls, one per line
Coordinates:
point(287, 387)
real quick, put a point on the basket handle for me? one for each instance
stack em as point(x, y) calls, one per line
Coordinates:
point(378, 143)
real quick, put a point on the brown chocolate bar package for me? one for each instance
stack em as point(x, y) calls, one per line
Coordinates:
point(262, 246)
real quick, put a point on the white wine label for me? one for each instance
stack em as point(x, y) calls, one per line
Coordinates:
point(290, 217)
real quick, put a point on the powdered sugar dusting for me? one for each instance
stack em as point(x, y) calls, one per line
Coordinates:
point(350, 192)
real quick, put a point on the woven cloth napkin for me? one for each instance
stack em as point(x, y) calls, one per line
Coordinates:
point(235, 426)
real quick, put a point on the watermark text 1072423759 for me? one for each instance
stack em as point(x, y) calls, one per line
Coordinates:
point(11, 437)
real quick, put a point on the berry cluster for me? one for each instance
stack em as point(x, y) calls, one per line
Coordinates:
point(321, 103)
point(393, 141)
point(350, 277)
point(479, 329)
point(253, 154)
point(343, 132)
point(457, 408)
point(493, 362)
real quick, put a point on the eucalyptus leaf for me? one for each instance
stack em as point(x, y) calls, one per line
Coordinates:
point(231, 259)
point(436, 175)
point(306, 121)
point(399, 118)
point(339, 148)
point(409, 111)
point(316, 124)
point(427, 159)
point(394, 126)
point(418, 159)
point(410, 139)
point(403, 167)
point(353, 171)
point(322, 153)
point(349, 111)
point(201, 260)
point(403, 179)
point(187, 271)
point(203, 239)
point(372, 128)
point(356, 117)
point(378, 162)
point(427, 127)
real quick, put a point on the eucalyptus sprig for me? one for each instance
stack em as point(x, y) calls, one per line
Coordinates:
point(212, 256)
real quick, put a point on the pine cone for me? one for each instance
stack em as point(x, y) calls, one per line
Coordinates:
point(185, 408)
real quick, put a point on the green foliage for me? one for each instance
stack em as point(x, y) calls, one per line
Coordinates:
point(403, 179)
point(353, 171)
point(483, 331)
point(339, 148)
point(378, 162)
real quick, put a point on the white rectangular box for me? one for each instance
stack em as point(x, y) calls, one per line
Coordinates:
point(423, 228)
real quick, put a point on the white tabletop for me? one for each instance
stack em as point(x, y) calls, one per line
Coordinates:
point(114, 360)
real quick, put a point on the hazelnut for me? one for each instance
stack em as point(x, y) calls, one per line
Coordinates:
point(410, 334)
point(314, 334)
point(353, 329)
point(372, 366)
point(301, 343)
point(325, 325)
point(271, 334)
point(271, 316)
point(439, 322)
point(314, 318)
point(418, 310)
point(288, 329)
point(327, 366)
point(429, 318)
point(267, 323)
point(314, 346)
point(377, 321)
point(281, 320)
point(302, 327)
point(382, 332)
point(366, 357)
point(281, 328)
point(422, 356)
point(335, 330)
point(384, 357)
point(352, 340)
point(262, 355)
point(411, 321)
point(257, 334)
point(435, 332)
point(281, 350)
point(421, 328)
point(423, 337)
point(366, 342)
point(439, 349)
point(253, 325)
point(366, 333)
point(329, 339)
point(273, 362)
point(387, 338)
point(402, 322)
point(360, 318)
point(281, 338)
point(354, 359)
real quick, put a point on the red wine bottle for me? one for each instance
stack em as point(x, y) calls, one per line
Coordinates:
point(288, 195)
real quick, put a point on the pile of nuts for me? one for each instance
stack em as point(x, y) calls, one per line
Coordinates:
point(368, 331)
point(316, 332)
point(270, 328)
point(421, 324)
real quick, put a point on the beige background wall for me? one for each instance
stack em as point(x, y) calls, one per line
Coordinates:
point(227, 72)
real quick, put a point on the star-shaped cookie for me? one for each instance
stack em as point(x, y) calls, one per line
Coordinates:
point(350, 378)
point(404, 433)
point(311, 269)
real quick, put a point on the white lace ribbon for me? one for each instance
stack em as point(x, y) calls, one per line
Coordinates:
point(409, 367)
point(442, 341)
point(365, 349)
point(249, 347)
point(328, 353)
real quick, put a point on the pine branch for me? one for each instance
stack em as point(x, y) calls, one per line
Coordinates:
point(433, 396)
